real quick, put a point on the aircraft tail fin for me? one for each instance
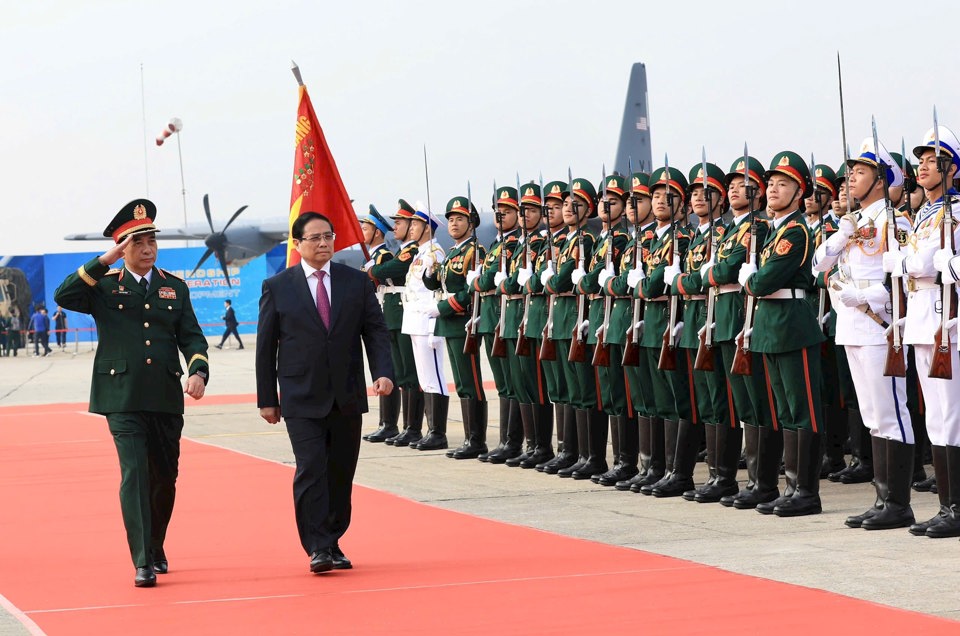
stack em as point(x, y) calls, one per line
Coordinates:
point(634, 140)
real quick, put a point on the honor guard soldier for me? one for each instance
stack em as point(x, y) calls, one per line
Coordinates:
point(788, 335)
point(724, 437)
point(526, 371)
point(539, 322)
point(420, 314)
point(926, 264)
point(623, 337)
point(670, 383)
point(453, 312)
point(482, 280)
point(863, 315)
point(607, 338)
point(375, 229)
point(145, 321)
point(569, 332)
point(390, 276)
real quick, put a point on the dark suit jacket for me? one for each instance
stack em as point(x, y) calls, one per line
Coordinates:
point(317, 368)
point(230, 318)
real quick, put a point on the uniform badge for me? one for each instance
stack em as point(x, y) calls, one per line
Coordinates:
point(167, 293)
point(783, 247)
point(405, 256)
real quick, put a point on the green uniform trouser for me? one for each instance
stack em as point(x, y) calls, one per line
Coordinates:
point(579, 377)
point(526, 376)
point(714, 398)
point(795, 381)
point(498, 366)
point(751, 394)
point(466, 370)
point(148, 446)
point(552, 375)
point(404, 369)
point(681, 386)
point(613, 384)
point(663, 404)
point(640, 387)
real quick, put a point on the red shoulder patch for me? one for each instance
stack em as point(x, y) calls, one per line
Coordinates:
point(783, 247)
point(405, 256)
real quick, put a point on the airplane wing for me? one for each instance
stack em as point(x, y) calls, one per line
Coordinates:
point(274, 229)
point(174, 234)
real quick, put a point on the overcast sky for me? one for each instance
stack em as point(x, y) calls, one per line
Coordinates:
point(490, 87)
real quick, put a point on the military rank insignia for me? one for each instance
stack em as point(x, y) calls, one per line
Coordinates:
point(783, 247)
point(167, 293)
point(405, 256)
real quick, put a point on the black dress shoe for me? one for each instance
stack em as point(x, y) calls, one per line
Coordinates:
point(340, 562)
point(146, 577)
point(321, 561)
point(160, 565)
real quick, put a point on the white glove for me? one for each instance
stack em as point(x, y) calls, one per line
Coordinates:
point(577, 275)
point(428, 259)
point(635, 276)
point(605, 274)
point(584, 326)
point(850, 296)
point(847, 226)
point(524, 275)
point(705, 271)
point(498, 278)
point(941, 258)
point(598, 332)
point(893, 263)
point(746, 271)
point(638, 328)
point(898, 324)
point(472, 275)
point(368, 265)
point(547, 274)
point(430, 310)
point(826, 318)
point(677, 329)
point(435, 342)
point(670, 273)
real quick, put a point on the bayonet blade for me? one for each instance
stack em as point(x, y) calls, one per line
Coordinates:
point(936, 134)
point(881, 167)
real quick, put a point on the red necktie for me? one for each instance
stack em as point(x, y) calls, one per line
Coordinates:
point(323, 302)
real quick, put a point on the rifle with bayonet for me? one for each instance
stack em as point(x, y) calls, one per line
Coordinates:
point(601, 351)
point(941, 365)
point(668, 350)
point(471, 345)
point(631, 348)
point(704, 359)
point(578, 342)
point(548, 348)
point(822, 305)
point(499, 347)
point(523, 343)
point(742, 358)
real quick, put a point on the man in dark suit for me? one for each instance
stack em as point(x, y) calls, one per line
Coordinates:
point(230, 320)
point(313, 317)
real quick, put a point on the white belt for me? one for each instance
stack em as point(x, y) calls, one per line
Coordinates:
point(515, 296)
point(658, 299)
point(488, 293)
point(697, 297)
point(863, 283)
point(392, 289)
point(729, 288)
point(916, 284)
point(413, 297)
point(786, 294)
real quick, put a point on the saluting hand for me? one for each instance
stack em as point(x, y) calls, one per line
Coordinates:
point(115, 253)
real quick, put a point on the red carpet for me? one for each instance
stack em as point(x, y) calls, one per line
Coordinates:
point(237, 567)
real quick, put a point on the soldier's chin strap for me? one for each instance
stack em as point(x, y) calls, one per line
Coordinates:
point(792, 199)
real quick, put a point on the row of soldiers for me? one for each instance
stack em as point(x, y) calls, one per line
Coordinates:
point(665, 335)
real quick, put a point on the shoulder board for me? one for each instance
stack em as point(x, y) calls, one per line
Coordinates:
point(619, 233)
point(405, 255)
point(649, 234)
point(720, 230)
point(792, 224)
point(113, 272)
point(511, 239)
point(169, 273)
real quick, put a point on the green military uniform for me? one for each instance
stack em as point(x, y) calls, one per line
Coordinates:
point(450, 277)
point(389, 275)
point(714, 406)
point(143, 328)
point(786, 331)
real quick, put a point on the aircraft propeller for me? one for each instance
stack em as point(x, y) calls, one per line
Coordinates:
point(217, 242)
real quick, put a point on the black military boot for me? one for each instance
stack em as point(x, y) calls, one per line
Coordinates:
point(834, 431)
point(643, 442)
point(543, 436)
point(505, 408)
point(615, 444)
point(477, 436)
point(806, 496)
point(949, 523)
point(751, 450)
point(729, 442)
point(413, 431)
point(896, 512)
point(684, 461)
point(570, 454)
point(943, 491)
point(404, 414)
point(559, 415)
point(710, 432)
point(529, 437)
point(437, 410)
point(582, 417)
point(659, 459)
point(626, 467)
point(860, 470)
point(389, 414)
point(465, 416)
point(880, 483)
point(514, 442)
point(597, 426)
point(769, 467)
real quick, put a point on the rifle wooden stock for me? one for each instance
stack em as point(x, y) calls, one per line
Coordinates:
point(704, 359)
point(548, 348)
point(471, 345)
point(668, 354)
point(499, 347)
point(523, 343)
point(742, 358)
point(631, 349)
point(941, 364)
point(578, 343)
point(601, 352)
point(896, 363)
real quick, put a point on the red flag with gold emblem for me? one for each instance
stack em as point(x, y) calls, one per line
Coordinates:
point(317, 186)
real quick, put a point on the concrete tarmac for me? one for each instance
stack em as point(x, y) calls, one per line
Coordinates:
point(890, 567)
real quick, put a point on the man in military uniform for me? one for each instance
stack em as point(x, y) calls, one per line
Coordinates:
point(570, 322)
point(482, 280)
point(144, 320)
point(919, 263)
point(453, 312)
point(722, 430)
point(390, 274)
point(375, 229)
point(863, 314)
point(788, 335)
